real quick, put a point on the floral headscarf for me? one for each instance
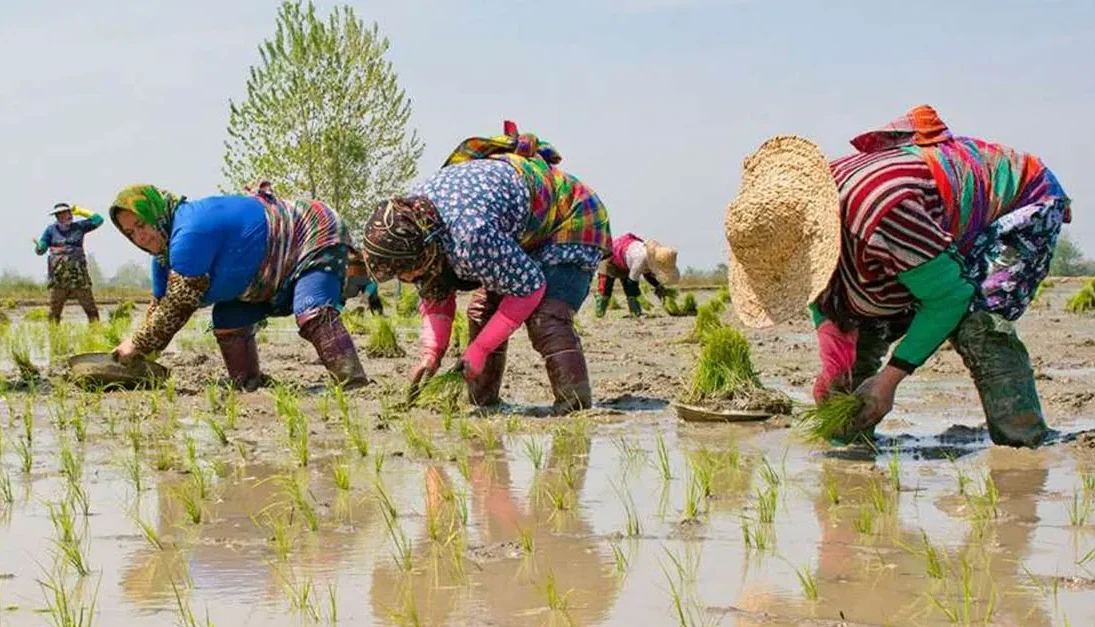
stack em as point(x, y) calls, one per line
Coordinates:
point(402, 236)
point(152, 206)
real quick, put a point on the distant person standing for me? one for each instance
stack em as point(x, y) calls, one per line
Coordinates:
point(67, 269)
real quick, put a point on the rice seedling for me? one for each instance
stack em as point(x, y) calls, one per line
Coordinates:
point(526, 541)
point(191, 501)
point(417, 440)
point(279, 530)
point(79, 423)
point(124, 311)
point(301, 594)
point(68, 542)
point(986, 502)
point(25, 449)
point(386, 504)
point(633, 528)
point(894, 466)
point(620, 559)
point(186, 613)
point(881, 500)
point(689, 307)
point(20, 356)
point(148, 530)
point(1087, 557)
point(1087, 481)
point(71, 465)
point(693, 493)
point(830, 486)
point(164, 456)
point(758, 536)
point(766, 505)
point(231, 408)
point(487, 435)
point(217, 429)
point(6, 495)
point(407, 305)
point(404, 549)
point(864, 521)
point(1079, 508)
point(662, 453)
point(378, 462)
point(933, 560)
point(807, 581)
point(359, 438)
point(341, 471)
point(1082, 301)
point(134, 472)
point(830, 419)
point(513, 423)
point(383, 342)
point(534, 450)
point(65, 606)
point(557, 601)
point(300, 499)
point(707, 322)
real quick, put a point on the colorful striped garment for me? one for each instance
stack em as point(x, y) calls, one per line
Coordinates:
point(302, 237)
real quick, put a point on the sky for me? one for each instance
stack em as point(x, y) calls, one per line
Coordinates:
point(654, 103)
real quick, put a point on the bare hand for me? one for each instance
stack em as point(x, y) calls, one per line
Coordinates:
point(877, 393)
point(419, 376)
point(125, 351)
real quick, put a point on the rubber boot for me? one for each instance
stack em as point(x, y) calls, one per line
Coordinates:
point(484, 390)
point(241, 357)
point(334, 346)
point(634, 307)
point(1001, 371)
point(551, 330)
point(602, 306)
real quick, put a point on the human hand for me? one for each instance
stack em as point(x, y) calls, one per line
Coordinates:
point(125, 352)
point(660, 292)
point(877, 393)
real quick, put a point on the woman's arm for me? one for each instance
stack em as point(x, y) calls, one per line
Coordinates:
point(944, 295)
point(168, 315)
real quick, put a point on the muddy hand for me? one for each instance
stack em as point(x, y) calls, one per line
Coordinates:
point(877, 393)
point(125, 352)
point(419, 376)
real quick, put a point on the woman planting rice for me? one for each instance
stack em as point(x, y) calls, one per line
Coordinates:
point(250, 259)
point(633, 258)
point(920, 234)
point(502, 219)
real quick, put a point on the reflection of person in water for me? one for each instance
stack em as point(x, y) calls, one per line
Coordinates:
point(511, 588)
point(236, 561)
point(852, 583)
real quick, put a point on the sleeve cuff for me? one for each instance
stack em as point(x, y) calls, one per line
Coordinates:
point(905, 366)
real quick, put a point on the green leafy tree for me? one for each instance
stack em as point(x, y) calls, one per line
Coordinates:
point(1068, 259)
point(324, 115)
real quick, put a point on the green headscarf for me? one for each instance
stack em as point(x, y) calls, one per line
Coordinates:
point(152, 206)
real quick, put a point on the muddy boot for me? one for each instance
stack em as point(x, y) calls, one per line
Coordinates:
point(334, 346)
point(602, 306)
point(1001, 371)
point(241, 357)
point(551, 330)
point(483, 391)
point(87, 302)
point(634, 307)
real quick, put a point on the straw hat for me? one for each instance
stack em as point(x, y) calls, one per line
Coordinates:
point(60, 207)
point(783, 230)
point(662, 261)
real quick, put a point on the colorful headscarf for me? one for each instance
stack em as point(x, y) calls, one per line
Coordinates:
point(153, 206)
point(526, 145)
point(920, 126)
point(401, 236)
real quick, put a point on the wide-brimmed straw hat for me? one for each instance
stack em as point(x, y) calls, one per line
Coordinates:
point(783, 230)
point(662, 261)
point(60, 207)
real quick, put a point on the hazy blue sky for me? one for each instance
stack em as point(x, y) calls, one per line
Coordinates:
point(653, 102)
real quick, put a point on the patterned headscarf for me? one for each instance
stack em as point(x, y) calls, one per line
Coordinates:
point(527, 145)
point(920, 126)
point(402, 236)
point(153, 206)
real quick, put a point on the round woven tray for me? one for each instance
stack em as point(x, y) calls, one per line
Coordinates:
point(100, 369)
point(693, 413)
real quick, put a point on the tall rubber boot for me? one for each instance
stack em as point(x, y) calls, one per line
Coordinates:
point(602, 306)
point(335, 347)
point(634, 307)
point(551, 330)
point(484, 390)
point(1001, 371)
point(241, 357)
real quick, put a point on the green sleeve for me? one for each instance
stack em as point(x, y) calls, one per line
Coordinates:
point(815, 313)
point(944, 295)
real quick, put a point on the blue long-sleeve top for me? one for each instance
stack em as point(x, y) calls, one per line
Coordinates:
point(67, 241)
point(222, 237)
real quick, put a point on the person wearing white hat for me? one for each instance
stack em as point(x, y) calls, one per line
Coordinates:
point(920, 235)
point(67, 267)
point(632, 259)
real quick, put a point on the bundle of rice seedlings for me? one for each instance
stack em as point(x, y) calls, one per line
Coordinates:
point(645, 303)
point(723, 295)
point(10, 303)
point(408, 303)
point(355, 321)
point(20, 356)
point(442, 391)
point(832, 418)
point(671, 306)
point(688, 305)
point(383, 342)
point(725, 366)
point(613, 304)
point(707, 321)
point(37, 314)
point(1084, 300)
point(124, 311)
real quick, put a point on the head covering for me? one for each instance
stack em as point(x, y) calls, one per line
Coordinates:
point(152, 206)
point(920, 126)
point(662, 261)
point(60, 207)
point(525, 145)
point(401, 236)
point(783, 230)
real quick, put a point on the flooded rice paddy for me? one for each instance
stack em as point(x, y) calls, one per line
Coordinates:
point(296, 505)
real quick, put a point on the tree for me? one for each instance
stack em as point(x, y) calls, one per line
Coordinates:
point(132, 274)
point(94, 271)
point(324, 115)
point(1068, 259)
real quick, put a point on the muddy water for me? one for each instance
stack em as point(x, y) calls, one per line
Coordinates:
point(530, 521)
